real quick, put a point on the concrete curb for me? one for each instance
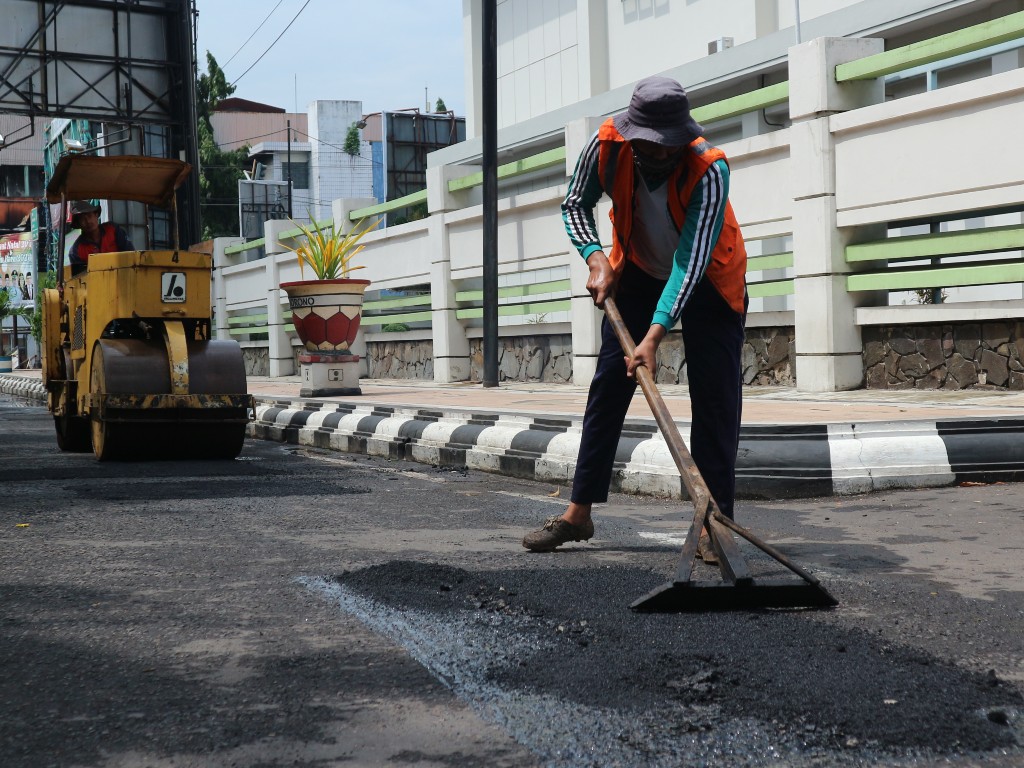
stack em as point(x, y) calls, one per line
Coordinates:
point(21, 386)
point(774, 461)
point(781, 461)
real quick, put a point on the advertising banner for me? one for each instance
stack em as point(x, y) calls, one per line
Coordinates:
point(17, 267)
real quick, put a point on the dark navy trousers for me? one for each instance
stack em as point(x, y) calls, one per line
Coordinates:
point(713, 338)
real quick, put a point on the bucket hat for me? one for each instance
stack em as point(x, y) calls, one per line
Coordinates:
point(78, 207)
point(83, 206)
point(659, 111)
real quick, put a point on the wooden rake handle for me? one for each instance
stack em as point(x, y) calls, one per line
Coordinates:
point(692, 479)
point(707, 512)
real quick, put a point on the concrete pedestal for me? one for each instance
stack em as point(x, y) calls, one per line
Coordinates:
point(327, 375)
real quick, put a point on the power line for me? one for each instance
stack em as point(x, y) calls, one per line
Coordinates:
point(221, 145)
point(265, 20)
point(272, 44)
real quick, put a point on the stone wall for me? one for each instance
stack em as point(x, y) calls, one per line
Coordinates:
point(527, 358)
point(400, 359)
point(946, 356)
point(256, 360)
point(766, 358)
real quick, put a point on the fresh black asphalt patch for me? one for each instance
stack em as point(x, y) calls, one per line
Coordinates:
point(553, 656)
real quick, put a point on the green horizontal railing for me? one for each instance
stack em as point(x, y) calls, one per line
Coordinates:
point(407, 317)
point(538, 162)
point(391, 205)
point(255, 329)
point(517, 310)
point(752, 101)
point(771, 261)
point(946, 46)
point(770, 288)
point(517, 291)
point(376, 313)
point(765, 288)
point(937, 277)
point(286, 235)
point(256, 319)
point(939, 244)
point(406, 301)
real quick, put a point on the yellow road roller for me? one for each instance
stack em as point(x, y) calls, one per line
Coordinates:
point(129, 364)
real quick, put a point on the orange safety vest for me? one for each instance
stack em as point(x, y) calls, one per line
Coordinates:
point(85, 248)
point(728, 268)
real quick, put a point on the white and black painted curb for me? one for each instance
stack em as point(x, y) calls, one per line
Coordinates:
point(784, 461)
point(20, 386)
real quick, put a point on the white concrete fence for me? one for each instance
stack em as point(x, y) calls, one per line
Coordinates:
point(850, 169)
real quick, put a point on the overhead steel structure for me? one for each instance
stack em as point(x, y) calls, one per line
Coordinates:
point(126, 63)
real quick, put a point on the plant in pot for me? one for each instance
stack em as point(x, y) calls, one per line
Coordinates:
point(8, 309)
point(326, 310)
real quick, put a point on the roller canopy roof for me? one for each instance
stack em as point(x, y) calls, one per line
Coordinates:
point(150, 180)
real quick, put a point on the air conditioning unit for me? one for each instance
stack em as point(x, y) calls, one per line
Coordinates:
point(719, 45)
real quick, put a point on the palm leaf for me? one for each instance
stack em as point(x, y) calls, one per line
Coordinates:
point(329, 254)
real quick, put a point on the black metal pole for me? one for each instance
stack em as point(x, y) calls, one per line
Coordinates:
point(934, 228)
point(291, 213)
point(489, 135)
point(190, 227)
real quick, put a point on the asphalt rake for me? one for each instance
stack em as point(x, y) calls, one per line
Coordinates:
point(738, 588)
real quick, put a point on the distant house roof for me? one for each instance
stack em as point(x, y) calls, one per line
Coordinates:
point(244, 105)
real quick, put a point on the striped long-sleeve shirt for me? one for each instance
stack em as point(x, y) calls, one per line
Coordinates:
point(705, 213)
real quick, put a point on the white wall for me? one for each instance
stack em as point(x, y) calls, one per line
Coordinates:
point(538, 57)
point(553, 53)
point(334, 174)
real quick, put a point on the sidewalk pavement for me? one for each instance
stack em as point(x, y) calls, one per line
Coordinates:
point(792, 444)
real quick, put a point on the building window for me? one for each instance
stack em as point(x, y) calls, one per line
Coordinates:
point(297, 172)
point(161, 228)
point(21, 181)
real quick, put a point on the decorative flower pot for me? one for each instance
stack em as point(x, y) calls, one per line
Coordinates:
point(326, 313)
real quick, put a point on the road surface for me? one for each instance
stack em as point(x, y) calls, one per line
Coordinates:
point(297, 607)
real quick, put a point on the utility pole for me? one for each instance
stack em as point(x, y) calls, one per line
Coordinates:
point(291, 213)
point(489, 137)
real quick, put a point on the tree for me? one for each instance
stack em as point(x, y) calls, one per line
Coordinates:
point(8, 309)
point(46, 280)
point(220, 170)
point(440, 105)
point(352, 145)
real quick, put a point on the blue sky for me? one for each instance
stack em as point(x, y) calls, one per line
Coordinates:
point(383, 53)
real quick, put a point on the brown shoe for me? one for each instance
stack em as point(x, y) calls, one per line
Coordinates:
point(705, 551)
point(555, 533)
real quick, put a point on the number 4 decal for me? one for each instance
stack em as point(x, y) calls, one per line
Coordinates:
point(172, 287)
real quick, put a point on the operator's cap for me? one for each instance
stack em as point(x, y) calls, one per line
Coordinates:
point(659, 111)
point(78, 207)
point(83, 206)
